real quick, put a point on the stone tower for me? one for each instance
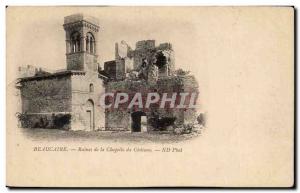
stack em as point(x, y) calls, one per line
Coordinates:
point(81, 40)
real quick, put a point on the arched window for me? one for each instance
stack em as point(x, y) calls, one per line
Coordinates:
point(75, 42)
point(90, 43)
point(91, 87)
point(87, 43)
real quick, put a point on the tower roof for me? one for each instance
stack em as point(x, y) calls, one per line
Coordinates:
point(81, 17)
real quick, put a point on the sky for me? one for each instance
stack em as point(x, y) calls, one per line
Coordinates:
point(202, 38)
point(37, 37)
point(40, 39)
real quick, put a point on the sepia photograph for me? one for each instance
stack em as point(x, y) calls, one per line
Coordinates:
point(157, 96)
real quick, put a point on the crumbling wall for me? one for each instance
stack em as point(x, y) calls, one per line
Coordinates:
point(146, 61)
point(120, 69)
point(190, 85)
point(179, 84)
point(120, 118)
point(144, 51)
point(26, 71)
point(117, 120)
point(146, 56)
point(165, 61)
point(115, 69)
point(153, 71)
point(156, 116)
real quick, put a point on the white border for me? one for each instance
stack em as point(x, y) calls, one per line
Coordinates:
point(152, 2)
point(3, 3)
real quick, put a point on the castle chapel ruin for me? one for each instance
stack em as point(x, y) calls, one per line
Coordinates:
point(70, 99)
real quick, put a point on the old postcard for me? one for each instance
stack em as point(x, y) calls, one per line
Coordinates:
point(150, 96)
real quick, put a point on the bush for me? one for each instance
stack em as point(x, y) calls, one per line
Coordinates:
point(162, 123)
point(43, 122)
point(23, 120)
point(201, 119)
point(58, 121)
point(184, 129)
point(61, 121)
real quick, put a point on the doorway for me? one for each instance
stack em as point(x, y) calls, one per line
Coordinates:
point(138, 122)
point(90, 124)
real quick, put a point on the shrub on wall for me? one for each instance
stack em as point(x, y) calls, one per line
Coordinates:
point(54, 121)
point(201, 119)
point(184, 129)
point(23, 120)
point(162, 123)
point(62, 121)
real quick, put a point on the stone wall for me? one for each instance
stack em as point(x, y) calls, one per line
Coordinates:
point(82, 97)
point(90, 61)
point(75, 61)
point(46, 95)
point(190, 85)
point(121, 117)
point(110, 69)
point(120, 69)
point(43, 99)
point(147, 55)
point(145, 51)
point(82, 61)
point(147, 61)
point(145, 44)
point(117, 120)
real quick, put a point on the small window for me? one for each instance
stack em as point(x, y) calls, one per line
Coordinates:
point(91, 88)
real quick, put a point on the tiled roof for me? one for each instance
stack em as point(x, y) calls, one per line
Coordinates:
point(53, 75)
